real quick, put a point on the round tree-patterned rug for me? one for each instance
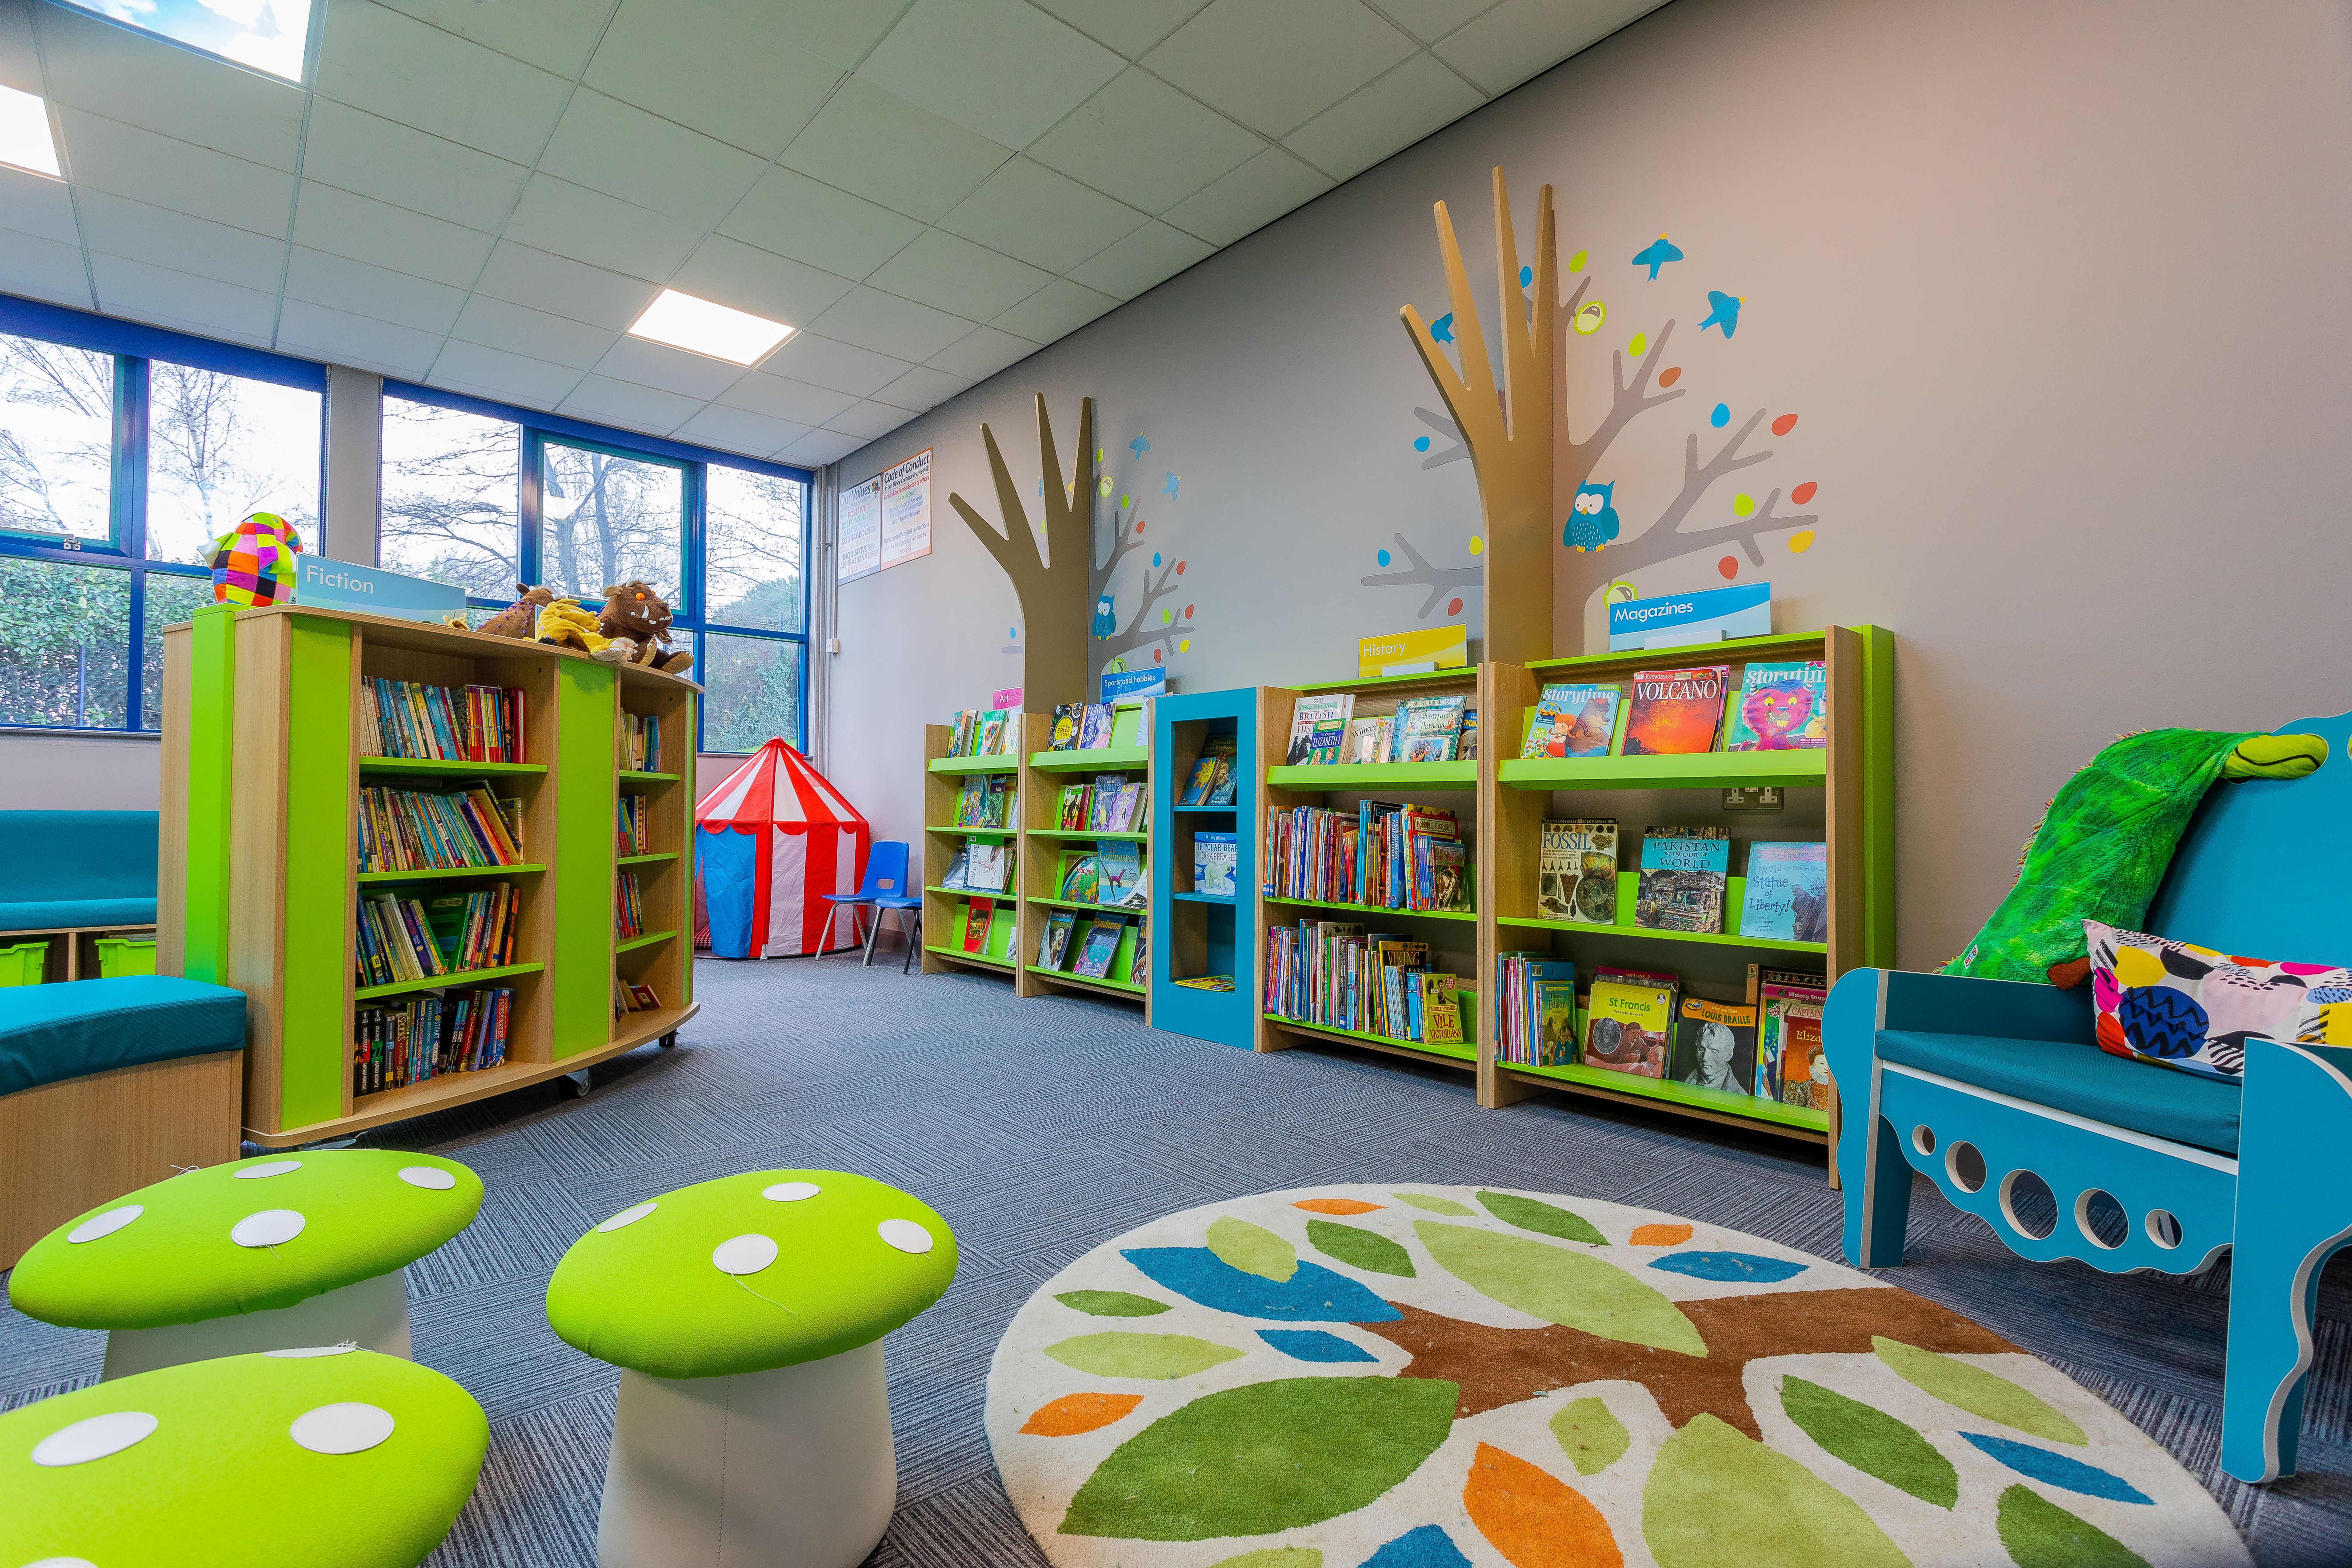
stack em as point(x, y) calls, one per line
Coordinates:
point(1417, 1376)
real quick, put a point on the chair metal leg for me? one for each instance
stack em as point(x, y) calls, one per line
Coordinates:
point(825, 938)
point(871, 932)
point(914, 939)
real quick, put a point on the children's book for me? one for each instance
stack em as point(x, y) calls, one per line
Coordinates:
point(1067, 719)
point(975, 923)
point(1676, 711)
point(996, 797)
point(1118, 875)
point(1449, 874)
point(1788, 892)
point(1714, 1048)
point(958, 871)
point(1466, 750)
point(1106, 787)
point(1121, 817)
point(1683, 872)
point(1574, 720)
point(972, 803)
point(1311, 720)
point(1094, 730)
point(1428, 729)
point(1781, 707)
point(1776, 993)
point(1630, 1024)
point(1101, 942)
point(1054, 947)
point(1576, 870)
point(1207, 983)
point(1804, 1070)
point(1138, 963)
point(1003, 925)
point(991, 733)
point(1072, 813)
point(1081, 878)
point(959, 733)
point(992, 866)
point(1368, 740)
point(1215, 856)
point(1441, 1010)
point(1554, 1004)
point(1212, 774)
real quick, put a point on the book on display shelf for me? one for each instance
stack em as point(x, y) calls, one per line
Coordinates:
point(1094, 733)
point(1367, 740)
point(1715, 1046)
point(1675, 712)
point(1098, 947)
point(1682, 875)
point(1215, 862)
point(1427, 729)
point(1576, 870)
point(1573, 720)
point(1781, 707)
point(1787, 891)
point(1205, 983)
point(1081, 876)
point(1138, 963)
point(1629, 1021)
point(1536, 1022)
point(1069, 720)
point(1054, 945)
point(1119, 876)
point(1213, 775)
point(977, 916)
point(990, 867)
point(958, 871)
point(1318, 725)
point(407, 719)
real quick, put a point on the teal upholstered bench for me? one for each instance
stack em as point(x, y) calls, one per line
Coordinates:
point(77, 871)
point(108, 1085)
point(2071, 1075)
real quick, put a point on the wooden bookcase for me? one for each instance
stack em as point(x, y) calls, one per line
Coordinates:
point(1044, 840)
point(946, 909)
point(257, 884)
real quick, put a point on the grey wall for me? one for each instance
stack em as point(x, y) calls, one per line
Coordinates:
point(2056, 293)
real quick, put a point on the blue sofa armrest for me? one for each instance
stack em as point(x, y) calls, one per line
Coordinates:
point(1962, 1004)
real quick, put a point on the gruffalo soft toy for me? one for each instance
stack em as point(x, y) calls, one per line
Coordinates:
point(253, 563)
point(519, 619)
point(637, 620)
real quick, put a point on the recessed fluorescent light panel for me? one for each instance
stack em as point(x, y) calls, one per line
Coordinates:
point(24, 141)
point(700, 327)
point(268, 35)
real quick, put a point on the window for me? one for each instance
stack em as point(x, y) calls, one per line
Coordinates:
point(57, 439)
point(610, 519)
point(752, 550)
point(752, 689)
point(450, 498)
point(64, 644)
point(221, 448)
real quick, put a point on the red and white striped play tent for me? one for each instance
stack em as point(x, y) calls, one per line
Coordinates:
point(772, 839)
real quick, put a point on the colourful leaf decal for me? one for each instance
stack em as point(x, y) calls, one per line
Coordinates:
point(1076, 1413)
point(1743, 1267)
point(1572, 1288)
point(1277, 1557)
point(1436, 1205)
point(1314, 1344)
point(2040, 1534)
point(1591, 1437)
point(1359, 1248)
point(1872, 1441)
point(1313, 1294)
point(1111, 1303)
point(1977, 1391)
point(1252, 1249)
point(1140, 1355)
point(1533, 1518)
point(1660, 1235)
point(1546, 1219)
point(2057, 1470)
point(1716, 1497)
point(1264, 1456)
point(1336, 1206)
point(1425, 1546)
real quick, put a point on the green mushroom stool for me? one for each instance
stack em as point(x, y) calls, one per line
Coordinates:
point(746, 1316)
point(290, 1460)
point(255, 1255)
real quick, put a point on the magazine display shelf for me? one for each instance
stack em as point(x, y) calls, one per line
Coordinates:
point(1195, 935)
point(944, 908)
point(1047, 772)
point(258, 880)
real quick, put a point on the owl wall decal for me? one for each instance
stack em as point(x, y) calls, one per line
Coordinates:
point(1106, 620)
point(1593, 522)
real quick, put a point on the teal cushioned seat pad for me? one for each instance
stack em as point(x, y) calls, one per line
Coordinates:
point(57, 914)
point(2067, 1075)
point(79, 867)
point(53, 1032)
point(230, 1473)
point(180, 1260)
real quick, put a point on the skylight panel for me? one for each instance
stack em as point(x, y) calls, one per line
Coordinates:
point(268, 35)
point(700, 327)
point(24, 141)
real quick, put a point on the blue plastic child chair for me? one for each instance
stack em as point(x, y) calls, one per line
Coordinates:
point(886, 874)
point(909, 902)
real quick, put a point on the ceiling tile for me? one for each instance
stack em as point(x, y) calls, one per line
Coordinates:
point(365, 290)
point(921, 388)
point(32, 204)
point(568, 287)
point(1430, 20)
point(150, 82)
point(123, 228)
point(181, 299)
point(1275, 64)
point(842, 31)
point(519, 330)
point(981, 353)
point(366, 230)
point(376, 58)
point(823, 447)
point(603, 231)
point(341, 338)
point(869, 420)
point(1059, 308)
point(829, 362)
point(1249, 198)
point(1149, 255)
point(625, 403)
point(1518, 38)
point(726, 69)
point(890, 325)
point(370, 156)
point(792, 215)
point(20, 61)
point(1002, 68)
point(745, 277)
point(956, 275)
point(777, 397)
point(42, 270)
point(108, 155)
point(1141, 140)
point(698, 377)
point(509, 377)
point(553, 35)
point(1388, 115)
point(1049, 220)
point(883, 148)
point(1131, 27)
point(737, 430)
point(641, 158)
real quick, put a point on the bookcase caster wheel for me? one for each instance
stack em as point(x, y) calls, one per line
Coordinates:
point(668, 1042)
point(575, 1084)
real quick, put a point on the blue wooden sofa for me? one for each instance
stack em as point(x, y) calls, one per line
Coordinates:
point(1983, 1084)
point(72, 875)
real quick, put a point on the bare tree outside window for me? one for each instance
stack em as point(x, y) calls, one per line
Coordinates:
point(451, 490)
point(607, 519)
point(221, 448)
point(752, 529)
point(57, 439)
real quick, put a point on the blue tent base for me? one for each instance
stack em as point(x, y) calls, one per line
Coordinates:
point(729, 865)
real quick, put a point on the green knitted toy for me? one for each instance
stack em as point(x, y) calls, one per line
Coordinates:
point(2105, 840)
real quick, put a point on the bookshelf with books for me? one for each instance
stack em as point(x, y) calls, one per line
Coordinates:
point(1206, 948)
point(652, 834)
point(972, 790)
point(368, 826)
point(1085, 815)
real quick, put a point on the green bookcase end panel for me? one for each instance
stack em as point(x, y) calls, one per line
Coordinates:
point(314, 1030)
point(587, 716)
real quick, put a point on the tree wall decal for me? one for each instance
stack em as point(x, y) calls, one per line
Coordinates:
point(1053, 586)
point(1151, 625)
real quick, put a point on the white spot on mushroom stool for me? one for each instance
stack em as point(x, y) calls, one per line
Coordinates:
point(267, 1168)
point(94, 1439)
point(104, 1224)
point(348, 1428)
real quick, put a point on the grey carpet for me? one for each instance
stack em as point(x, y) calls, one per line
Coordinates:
point(1041, 1129)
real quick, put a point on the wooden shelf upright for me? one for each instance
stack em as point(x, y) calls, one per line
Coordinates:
point(1044, 840)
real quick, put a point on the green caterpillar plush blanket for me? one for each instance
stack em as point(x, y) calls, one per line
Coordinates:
point(2105, 840)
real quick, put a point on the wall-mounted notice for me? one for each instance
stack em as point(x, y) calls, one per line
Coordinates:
point(907, 510)
point(860, 551)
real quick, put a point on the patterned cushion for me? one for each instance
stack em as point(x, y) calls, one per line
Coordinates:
point(2181, 1006)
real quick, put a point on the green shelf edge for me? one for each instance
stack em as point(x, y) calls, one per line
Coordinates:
point(1468, 1057)
point(647, 940)
point(1709, 938)
point(635, 777)
point(1329, 776)
point(433, 765)
point(1730, 652)
point(1081, 833)
point(1471, 915)
point(1138, 911)
point(960, 956)
point(444, 872)
point(975, 764)
point(1101, 760)
point(968, 892)
point(971, 832)
point(643, 859)
point(1698, 770)
point(1746, 1106)
point(1065, 975)
point(442, 981)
